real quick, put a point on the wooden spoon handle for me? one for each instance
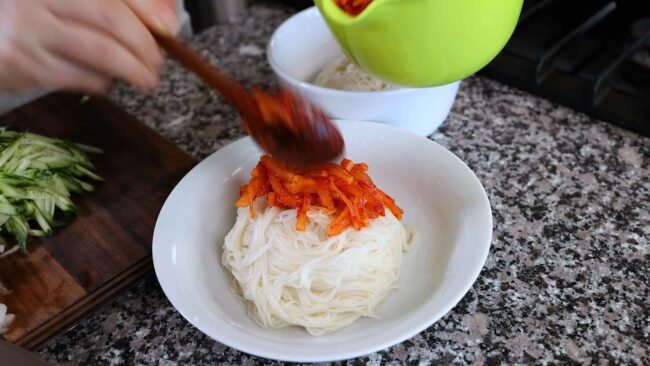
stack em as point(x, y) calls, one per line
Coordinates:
point(233, 91)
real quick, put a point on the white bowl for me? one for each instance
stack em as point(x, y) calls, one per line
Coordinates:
point(440, 195)
point(303, 45)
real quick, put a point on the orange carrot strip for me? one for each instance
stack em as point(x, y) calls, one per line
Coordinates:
point(257, 170)
point(347, 164)
point(339, 224)
point(338, 171)
point(301, 222)
point(250, 198)
point(389, 202)
point(353, 7)
point(277, 168)
point(324, 194)
point(283, 196)
point(243, 200)
point(345, 190)
point(354, 213)
point(270, 198)
point(301, 185)
point(360, 167)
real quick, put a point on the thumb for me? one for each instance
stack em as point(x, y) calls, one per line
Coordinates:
point(158, 15)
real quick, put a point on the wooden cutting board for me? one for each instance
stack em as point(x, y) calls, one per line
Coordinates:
point(108, 246)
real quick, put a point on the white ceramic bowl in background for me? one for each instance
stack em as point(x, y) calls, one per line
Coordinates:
point(441, 198)
point(303, 45)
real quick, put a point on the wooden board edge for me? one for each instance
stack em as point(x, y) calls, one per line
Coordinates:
point(79, 310)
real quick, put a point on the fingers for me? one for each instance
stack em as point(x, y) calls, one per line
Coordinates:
point(160, 15)
point(69, 76)
point(102, 54)
point(13, 74)
point(116, 19)
point(82, 44)
point(13, 43)
point(80, 79)
point(34, 67)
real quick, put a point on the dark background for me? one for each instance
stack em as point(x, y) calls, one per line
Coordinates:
point(198, 23)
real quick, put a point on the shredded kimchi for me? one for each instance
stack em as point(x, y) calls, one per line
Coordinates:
point(353, 7)
point(345, 190)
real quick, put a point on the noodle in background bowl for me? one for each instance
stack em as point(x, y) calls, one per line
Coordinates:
point(440, 195)
point(303, 45)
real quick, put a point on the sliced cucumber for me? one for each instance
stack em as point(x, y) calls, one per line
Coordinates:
point(37, 176)
point(18, 227)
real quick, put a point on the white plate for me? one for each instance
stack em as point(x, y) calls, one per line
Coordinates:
point(440, 195)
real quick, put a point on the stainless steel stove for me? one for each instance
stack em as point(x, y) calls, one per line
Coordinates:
point(592, 55)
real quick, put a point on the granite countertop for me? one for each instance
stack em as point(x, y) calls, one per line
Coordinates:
point(566, 280)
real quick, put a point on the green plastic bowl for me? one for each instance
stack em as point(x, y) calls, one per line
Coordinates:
point(422, 43)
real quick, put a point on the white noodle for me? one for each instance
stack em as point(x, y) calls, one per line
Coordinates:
point(305, 278)
point(342, 74)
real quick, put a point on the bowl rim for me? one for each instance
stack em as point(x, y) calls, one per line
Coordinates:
point(275, 65)
point(165, 275)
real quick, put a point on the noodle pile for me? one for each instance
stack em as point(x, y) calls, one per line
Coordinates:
point(305, 278)
point(342, 74)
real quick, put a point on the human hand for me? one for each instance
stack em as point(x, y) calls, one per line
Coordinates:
point(82, 45)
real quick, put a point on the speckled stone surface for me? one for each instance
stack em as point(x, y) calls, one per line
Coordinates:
point(567, 278)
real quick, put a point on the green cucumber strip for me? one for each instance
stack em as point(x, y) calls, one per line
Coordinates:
point(37, 176)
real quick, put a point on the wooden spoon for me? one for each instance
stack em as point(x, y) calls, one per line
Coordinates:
point(283, 124)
